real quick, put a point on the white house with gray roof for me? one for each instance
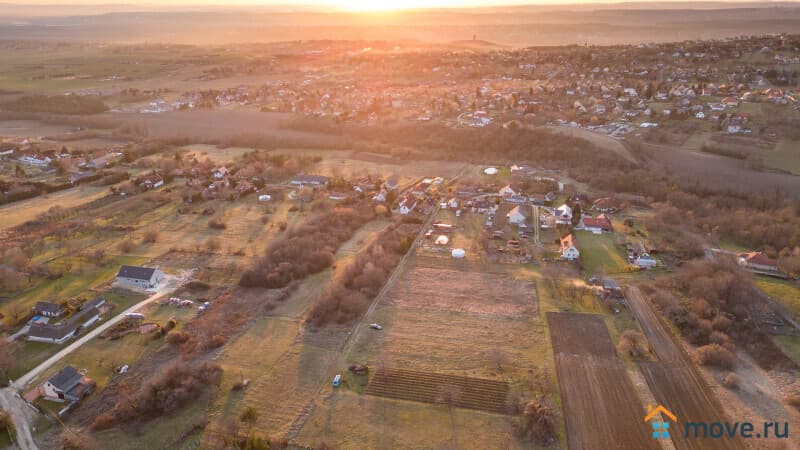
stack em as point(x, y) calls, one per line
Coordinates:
point(139, 277)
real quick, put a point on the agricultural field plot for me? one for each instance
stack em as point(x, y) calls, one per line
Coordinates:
point(675, 382)
point(464, 392)
point(466, 292)
point(214, 153)
point(347, 420)
point(488, 329)
point(577, 343)
point(680, 389)
point(596, 392)
point(357, 164)
point(22, 211)
point(453, 317)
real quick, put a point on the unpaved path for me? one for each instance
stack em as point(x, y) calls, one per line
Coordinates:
point(676, 382)
point(21, 416)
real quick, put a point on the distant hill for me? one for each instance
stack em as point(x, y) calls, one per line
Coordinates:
point(603, 24)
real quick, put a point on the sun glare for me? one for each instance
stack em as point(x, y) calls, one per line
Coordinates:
point(382, 5)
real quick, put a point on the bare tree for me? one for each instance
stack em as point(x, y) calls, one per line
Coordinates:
point(498, 358)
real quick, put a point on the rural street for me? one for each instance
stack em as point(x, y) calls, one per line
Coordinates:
point(19, 412)
point(16, 406)
point(168, 286)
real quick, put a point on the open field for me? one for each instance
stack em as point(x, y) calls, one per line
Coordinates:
point(721, 171)
point(601, 140)
point(600, 252)
point(465, 292)
point(20, 212)
point(784, 292)
point(596, 391)
point(424, 328)
point(216, 124)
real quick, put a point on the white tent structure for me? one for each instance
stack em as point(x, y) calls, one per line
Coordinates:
point(490, 171)
point(458, 253)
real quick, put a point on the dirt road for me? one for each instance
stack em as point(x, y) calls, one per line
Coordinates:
point(21, 416)
point(675, 381)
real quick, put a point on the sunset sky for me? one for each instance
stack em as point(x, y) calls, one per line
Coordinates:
point(356, 5)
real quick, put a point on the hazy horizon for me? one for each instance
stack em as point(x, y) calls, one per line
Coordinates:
point(364, 4)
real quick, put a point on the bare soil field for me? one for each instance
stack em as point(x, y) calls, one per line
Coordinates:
point(566, 341)
point(675, 381)
point(601, 407)
point(683, 392)
point(465, 291)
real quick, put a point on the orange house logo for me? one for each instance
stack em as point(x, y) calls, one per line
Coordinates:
point(660, 428)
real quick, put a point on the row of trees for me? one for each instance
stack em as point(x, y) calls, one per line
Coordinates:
point(349, 296)
point(714, 310)
point(307, 248)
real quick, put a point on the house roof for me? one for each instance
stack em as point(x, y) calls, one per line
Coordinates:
point(517, 210)
point(94, 303)
point(758, 258)
point(65, 328)
point(310, 179)
point(135, 272)
point(597, 222)
point(48, 307)
point(66, 379)
point(568, 241)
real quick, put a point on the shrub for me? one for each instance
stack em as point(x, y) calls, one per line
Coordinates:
point(166, 391)
point(732, 381)
point(126, 246)
point(150, 237)
point(177, 337)
point(537, 423)
point(171, 323)
point(103, 421)
point(213, 244)
point(217, 224)
point(715, 355)
point(306, 249)
point(634, 344)
point(349, 297)
point(71, 440)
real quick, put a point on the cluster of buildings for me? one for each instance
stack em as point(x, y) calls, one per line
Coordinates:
point(610, 89)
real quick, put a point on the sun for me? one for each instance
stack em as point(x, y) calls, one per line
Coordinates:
point(381, 5)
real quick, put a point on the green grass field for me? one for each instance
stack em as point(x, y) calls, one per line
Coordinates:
point(784, 291)
point(600, 252)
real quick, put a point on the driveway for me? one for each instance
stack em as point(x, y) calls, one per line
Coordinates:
point(9, 397)
point(21, 414)
point(169, 284)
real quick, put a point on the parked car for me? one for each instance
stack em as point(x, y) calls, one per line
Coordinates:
point(337, 380)
point(376, 326)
